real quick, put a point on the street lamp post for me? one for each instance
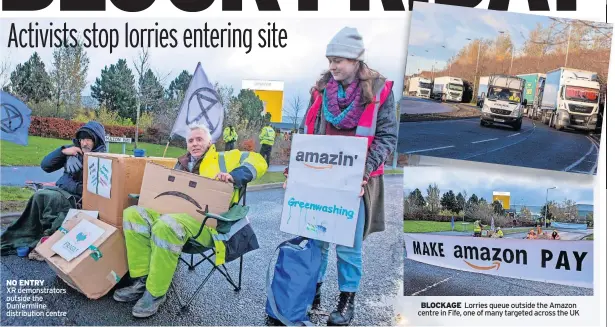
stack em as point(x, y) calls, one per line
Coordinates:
point(476, 73)
point(512, 50)
point(568, 45)
point(547, 204)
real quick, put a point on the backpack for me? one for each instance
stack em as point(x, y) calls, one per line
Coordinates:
point(291, 291)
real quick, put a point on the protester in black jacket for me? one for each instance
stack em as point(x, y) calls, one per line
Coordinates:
point(48, 207)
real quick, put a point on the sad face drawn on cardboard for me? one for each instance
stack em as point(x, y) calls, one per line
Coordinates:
point(182, 195)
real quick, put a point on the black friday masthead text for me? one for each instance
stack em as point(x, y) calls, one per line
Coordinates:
point(37, 36)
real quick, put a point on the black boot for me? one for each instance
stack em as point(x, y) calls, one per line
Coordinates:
point(345, 310)
point(316, 302)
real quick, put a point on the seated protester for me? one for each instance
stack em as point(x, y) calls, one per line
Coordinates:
point(47, 208)
point(499, 233)
point(154, 242)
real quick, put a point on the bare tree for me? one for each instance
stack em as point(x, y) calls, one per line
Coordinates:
point(294, 111)
point(5, 72)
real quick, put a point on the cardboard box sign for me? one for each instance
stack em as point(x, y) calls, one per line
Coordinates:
point(171, 191)
point(109, 179)
point(91, 276)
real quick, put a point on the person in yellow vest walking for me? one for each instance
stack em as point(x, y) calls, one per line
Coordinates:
point(230, 137)
point(154, 241)
point(353, 100)
point(267, 139)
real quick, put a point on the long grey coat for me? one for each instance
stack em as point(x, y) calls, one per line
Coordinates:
point(382, 146)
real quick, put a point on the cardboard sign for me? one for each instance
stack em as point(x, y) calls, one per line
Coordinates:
point(91, 275)
point(127, 177)
point(77, 240)
point(171, 191)
point(72, 213)
point(100, 170)
point(324, 182)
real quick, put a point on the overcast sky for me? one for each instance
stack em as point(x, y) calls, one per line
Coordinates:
point(525, 188)
point(433, 26)
point(298, 65)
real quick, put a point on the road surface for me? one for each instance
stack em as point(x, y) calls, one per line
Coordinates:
point(421, 279)
point(218, 304)
point(414, 106)
point(534, 146)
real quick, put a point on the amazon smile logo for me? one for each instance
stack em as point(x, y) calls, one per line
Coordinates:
point(495, 265)
point(321, 161)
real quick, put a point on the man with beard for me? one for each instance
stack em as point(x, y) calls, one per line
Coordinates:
point(48, 207)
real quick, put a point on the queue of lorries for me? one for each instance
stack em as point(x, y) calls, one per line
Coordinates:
point(561, 98)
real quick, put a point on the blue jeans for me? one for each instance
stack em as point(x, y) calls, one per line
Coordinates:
point(349, 259)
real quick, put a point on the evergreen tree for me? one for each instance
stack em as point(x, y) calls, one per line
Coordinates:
point(30, 81)
point(115, 89)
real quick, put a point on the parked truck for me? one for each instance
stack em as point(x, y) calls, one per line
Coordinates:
point(419, 87)
point(534, 87)
point(448, 88)
point(483, 88)
point(503, 100)
point(571, 99)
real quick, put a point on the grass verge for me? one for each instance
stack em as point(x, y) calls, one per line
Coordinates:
point(14, 199)
point(422, 226)
point(38, 147)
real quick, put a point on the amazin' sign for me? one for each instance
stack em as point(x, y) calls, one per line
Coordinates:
point(559, 262)
point(267, 5)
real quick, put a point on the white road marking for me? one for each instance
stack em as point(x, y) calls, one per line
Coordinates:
point(597, 145)
point(432, 149)
point(513, 135)
point(578, 162)
point(433, 285)
point(484, 140)
point(531, 131)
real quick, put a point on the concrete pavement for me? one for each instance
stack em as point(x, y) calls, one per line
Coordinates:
point(414, 105)
point(422, 279)
point(218, 304)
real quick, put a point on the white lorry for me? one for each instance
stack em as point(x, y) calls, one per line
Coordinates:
point(504, 101)
point(447, 88)
point(570, 99)
point(419, 87)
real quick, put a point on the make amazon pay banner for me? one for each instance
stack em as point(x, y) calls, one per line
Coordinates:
point(322, 192)
point(550, 261)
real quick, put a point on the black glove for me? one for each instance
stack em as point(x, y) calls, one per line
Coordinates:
point(73, 164)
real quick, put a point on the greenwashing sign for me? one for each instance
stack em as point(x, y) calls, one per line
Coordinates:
point(322, 192)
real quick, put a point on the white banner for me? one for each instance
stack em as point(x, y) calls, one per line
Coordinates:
point(324, 182)
point(549, 261)
point(201, 105)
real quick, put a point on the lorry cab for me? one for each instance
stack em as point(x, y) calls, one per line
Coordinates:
point(454, 90)
point(571, 99)
point(580, 100)
point(448, 88)
point(504, 101)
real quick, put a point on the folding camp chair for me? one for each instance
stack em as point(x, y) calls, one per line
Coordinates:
point(193, 247)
